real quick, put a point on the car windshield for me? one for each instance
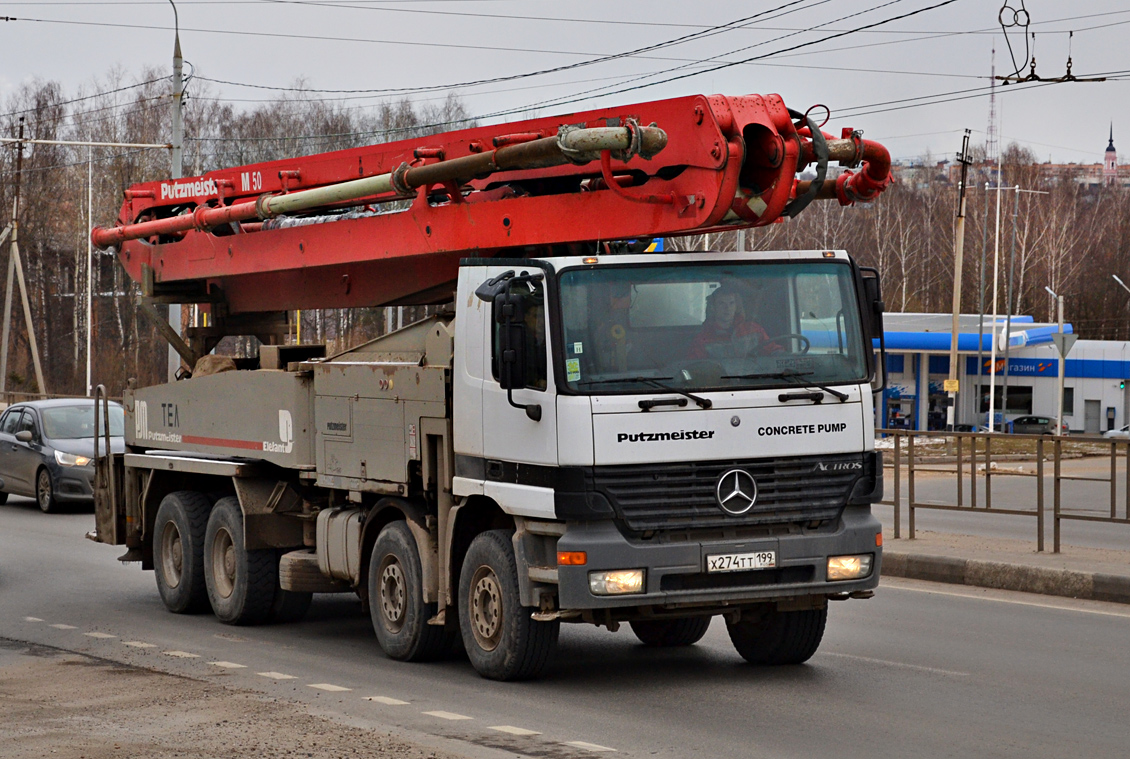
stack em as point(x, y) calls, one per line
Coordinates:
point(73, 422)
point(710, 326)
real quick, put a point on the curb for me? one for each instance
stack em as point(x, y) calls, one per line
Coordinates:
point(1091, 586)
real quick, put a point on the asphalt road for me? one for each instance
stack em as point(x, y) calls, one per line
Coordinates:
point(920, 670)
point(1018, 492)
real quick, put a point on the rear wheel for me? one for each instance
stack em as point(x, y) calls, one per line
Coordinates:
point(773, 637)
point(45, 493)
point(670, 633)
point(396, 599)
point(503, 642)
point(241, 583)
point(178, 551)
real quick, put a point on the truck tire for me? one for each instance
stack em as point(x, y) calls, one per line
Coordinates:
point(501, 639)
point(178, 551)
point(241, 583)
point(396, 599)
point(779, 637)
point(670, 633)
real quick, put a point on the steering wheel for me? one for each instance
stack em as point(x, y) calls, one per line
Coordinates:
point(802, 342)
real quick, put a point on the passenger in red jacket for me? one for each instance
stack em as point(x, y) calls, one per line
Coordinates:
point(726, 332)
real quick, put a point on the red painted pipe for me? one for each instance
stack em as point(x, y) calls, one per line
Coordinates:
point(872, 179)
point(203, 217)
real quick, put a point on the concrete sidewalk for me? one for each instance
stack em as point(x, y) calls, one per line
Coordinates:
point(1087, 573)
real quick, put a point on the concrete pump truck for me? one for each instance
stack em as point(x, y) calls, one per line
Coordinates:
point(583, 431)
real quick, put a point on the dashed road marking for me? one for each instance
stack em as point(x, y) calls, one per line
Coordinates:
point(137, 644)
point(588, 746)
point(227, 665)
point(32, 619)
point(887, 584)
point(902, 665)
point(63, 627)
point(329, 687)
point(181, 654)
point(448, 715)
point(513, 730)
point(386, 700)
point(276, 675)
point(99, 635)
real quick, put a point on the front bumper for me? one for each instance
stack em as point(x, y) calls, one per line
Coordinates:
point(676, 571)
point(73, 484)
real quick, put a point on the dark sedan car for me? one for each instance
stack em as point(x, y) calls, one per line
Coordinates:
point(47, 449)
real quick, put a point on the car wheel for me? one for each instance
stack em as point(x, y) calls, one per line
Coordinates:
point(45, 493)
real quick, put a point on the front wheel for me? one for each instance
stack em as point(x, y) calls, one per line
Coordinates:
point(241, 583)
point(45, 493)
point(772, 637)
point(670, 633)
point(503, 642)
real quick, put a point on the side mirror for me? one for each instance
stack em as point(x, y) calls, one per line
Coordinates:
point(24, 436)
point(873, 306)
point(510, 315)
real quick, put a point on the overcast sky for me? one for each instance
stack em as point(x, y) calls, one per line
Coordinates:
point(865, 77)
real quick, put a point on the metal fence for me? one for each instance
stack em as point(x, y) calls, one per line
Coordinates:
point(976, 457)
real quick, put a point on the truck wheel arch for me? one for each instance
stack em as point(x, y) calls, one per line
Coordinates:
point(385, 512)
point(475, 515)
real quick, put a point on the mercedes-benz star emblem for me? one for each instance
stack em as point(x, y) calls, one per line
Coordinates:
point(736, 492)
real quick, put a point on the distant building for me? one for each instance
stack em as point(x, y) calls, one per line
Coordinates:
point(1110, 162)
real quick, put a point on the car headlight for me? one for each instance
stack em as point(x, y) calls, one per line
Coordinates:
point(849, 567)
point(70, 459)
point(616, 582)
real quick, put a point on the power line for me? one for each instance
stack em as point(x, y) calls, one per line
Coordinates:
point(85, 97)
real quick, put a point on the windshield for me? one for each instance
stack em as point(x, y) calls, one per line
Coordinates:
point(72, 422)
point(711, 326)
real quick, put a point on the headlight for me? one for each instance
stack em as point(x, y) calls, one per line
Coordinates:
point(849, 567)
point(616, 582)
point(70, 459)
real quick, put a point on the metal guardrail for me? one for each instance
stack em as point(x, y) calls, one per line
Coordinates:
point(969, 449)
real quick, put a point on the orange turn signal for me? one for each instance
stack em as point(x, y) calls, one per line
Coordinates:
point(879, 539)
point(571, 558)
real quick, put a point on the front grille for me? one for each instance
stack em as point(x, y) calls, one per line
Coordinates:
point(682, 496)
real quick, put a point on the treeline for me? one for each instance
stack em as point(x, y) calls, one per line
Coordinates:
point(54, 220)
point(1069, 236)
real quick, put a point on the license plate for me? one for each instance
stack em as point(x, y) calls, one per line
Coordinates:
point(736, 562)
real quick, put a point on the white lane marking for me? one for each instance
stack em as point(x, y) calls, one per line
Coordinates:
point(276, 675)
point(138, 644)
point(63, 627)
point(903, 665)
point(99, 635)
point(448, 715)
point(328, 687)
point(513, 730)
point(181, 654)
point(228, 665)
point(32, 619)
point(1014, 601)
point(588, 746)
point(386, 700)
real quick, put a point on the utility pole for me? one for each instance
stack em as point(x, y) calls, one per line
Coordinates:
point(1063, 343)
point(177, 168)
point(958, 256)
point(981, 307)
point(89, 264)
point(1008, 309)
point(15, 266)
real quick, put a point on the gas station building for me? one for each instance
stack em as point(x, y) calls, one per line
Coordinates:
point(1096, 374)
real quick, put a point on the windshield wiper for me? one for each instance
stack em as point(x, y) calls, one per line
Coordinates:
point(788, 374)
point(654, 382)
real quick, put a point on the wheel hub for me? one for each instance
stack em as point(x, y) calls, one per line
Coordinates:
point(393, 594)
point(223, 563)
point(172, 555)
point(486, 608)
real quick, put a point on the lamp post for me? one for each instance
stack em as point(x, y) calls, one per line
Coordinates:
point(1063, 348)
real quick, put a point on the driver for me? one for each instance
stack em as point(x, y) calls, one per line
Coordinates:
point(726, 332)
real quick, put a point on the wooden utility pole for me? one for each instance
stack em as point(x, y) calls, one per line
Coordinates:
point(15, 266)
point(958, 256)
